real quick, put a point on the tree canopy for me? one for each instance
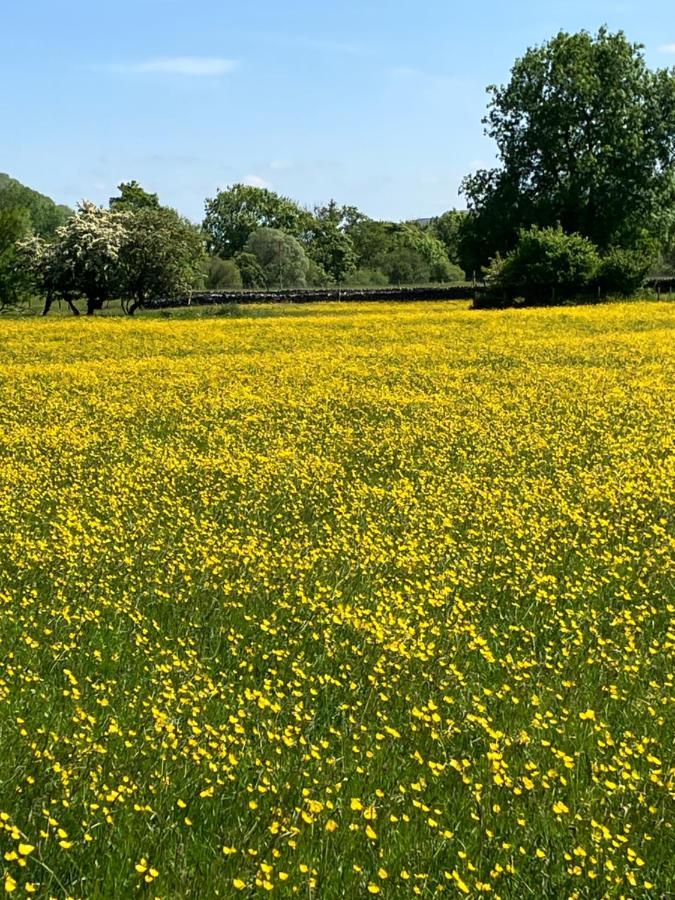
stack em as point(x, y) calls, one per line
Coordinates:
point(281, 258)
point(585, 134)
point(133, 198)
point(234, 214)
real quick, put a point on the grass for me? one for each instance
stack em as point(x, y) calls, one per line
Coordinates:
point(336, 601)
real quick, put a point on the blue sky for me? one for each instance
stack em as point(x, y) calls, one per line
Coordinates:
point(371, 102)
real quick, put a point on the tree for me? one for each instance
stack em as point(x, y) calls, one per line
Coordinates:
point(372, 242)
point(317, 277)
point(406, 253)
point(161, 255)
point(546, 264)
point(280, 256)
point(133, 198)
point(14, 226)
point(624, 271)
point(42, 264)
point(222, 274)
point(234, 214)
point(333, 250)
point(88, 247)
point(404, 264)
point(447, 228)
point(668, 260)
point(252, 274)
point(586, 138)
point(342, 217)
point(81, 261)
point(368, 278)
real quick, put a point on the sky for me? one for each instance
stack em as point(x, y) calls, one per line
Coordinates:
point(376, 103)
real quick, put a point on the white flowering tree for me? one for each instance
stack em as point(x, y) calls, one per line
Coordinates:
point(82, 261)
point(131, 255)
point(88, 248)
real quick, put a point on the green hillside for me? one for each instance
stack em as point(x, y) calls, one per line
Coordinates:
point(45, 215)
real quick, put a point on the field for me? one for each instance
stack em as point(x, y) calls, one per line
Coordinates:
point(337, 602)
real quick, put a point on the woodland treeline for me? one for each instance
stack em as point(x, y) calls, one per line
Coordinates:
point(582, 199)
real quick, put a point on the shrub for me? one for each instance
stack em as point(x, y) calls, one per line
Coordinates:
point(222, 274)
point(445, 272)
point(546, 263)
point(251, 272)
point(368, 278)
point(624, 271)
point(317, 277)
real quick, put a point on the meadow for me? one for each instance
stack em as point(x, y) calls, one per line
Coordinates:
point(338, 601)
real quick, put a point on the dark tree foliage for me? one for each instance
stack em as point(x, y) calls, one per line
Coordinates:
point(281, 257)
point(252, 273)
point(585, 133)
point(332, 249)
point(133, 198)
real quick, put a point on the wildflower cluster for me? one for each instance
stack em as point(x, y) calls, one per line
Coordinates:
point(338, 603)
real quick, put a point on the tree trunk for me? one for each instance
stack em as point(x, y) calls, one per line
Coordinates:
point(93, 303)
point(49, 299)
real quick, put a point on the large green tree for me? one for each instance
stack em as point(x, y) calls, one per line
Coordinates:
point(234, 214)
point(585, 134)
point(333, 250)
point(161, 255)
point(405, 253)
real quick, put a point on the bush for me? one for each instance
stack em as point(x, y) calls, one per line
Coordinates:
point(317, 277)
point(445, 272)
point(368, 278)
point(624, 271)
point(222, 274)
point(250, 270)
point(546, 263)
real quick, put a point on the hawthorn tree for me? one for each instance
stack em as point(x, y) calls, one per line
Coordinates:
point(81, 261)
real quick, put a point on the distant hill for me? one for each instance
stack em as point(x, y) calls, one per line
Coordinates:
point(45, 215)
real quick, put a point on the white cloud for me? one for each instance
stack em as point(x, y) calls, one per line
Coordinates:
point(191, 66)
point(256, 181)
point(413, 75)
point(667, 48)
